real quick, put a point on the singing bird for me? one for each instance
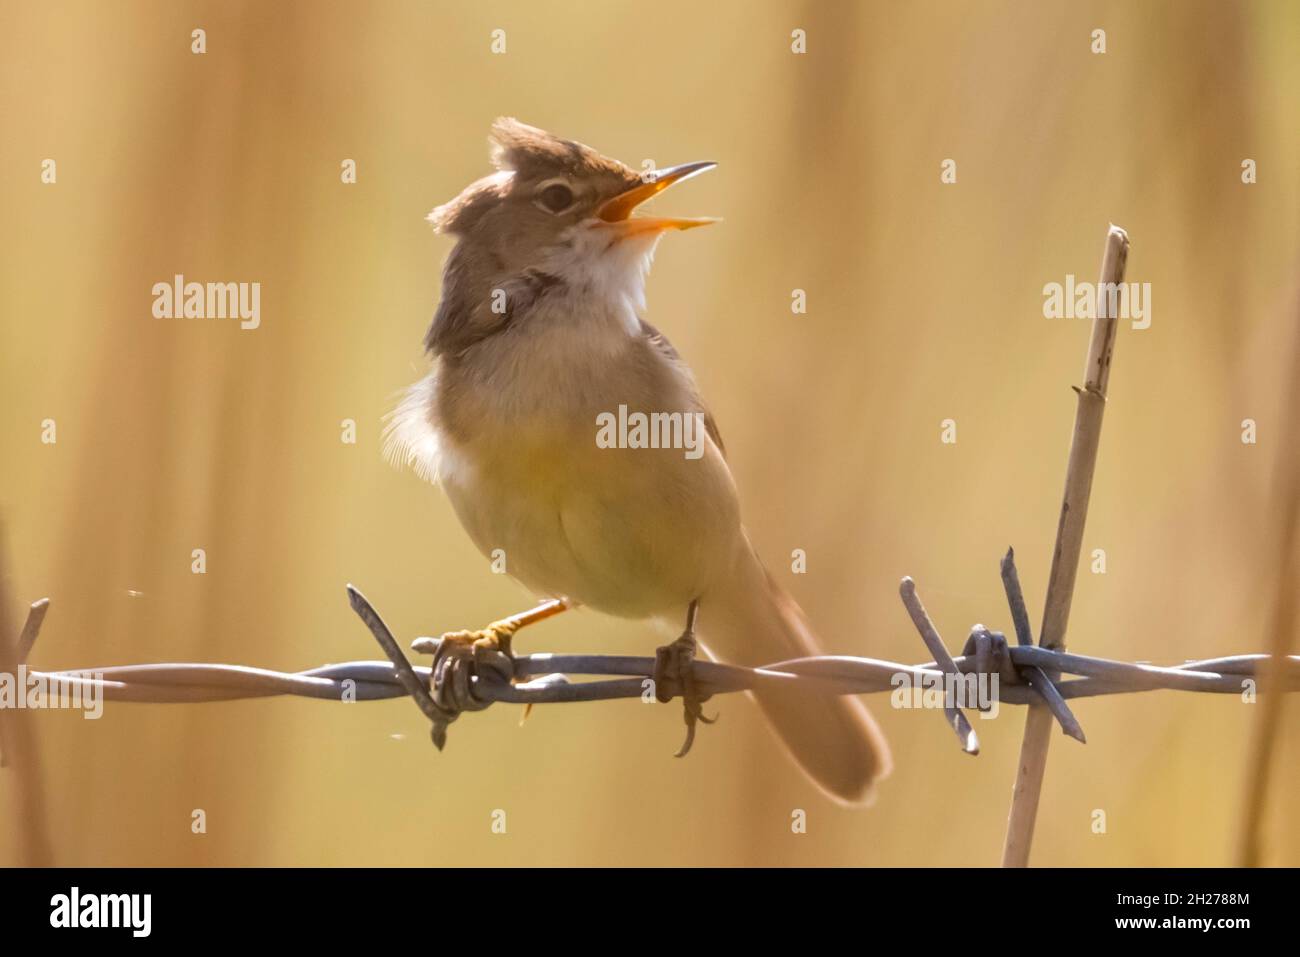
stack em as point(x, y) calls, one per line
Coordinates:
point(539, 337)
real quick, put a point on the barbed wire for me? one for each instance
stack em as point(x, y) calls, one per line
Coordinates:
point(468, 678)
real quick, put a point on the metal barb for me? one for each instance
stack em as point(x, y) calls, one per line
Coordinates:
point(1016, 599)
point(1037, 678)
point(411, 681)
point(26, 639)
point(970, 742)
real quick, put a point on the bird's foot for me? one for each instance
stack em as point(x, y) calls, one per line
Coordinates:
point(674, 663)
point(497, 636)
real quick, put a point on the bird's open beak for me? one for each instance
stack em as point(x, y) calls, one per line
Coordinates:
point(618, 210)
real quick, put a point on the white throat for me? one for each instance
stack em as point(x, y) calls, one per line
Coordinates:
point(601, 265)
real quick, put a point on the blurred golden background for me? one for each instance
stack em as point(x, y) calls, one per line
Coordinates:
point(924, 303)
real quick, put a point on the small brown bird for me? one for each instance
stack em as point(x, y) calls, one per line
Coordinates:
point(561, 425)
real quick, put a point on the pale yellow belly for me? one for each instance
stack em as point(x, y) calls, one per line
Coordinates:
point(631, 532)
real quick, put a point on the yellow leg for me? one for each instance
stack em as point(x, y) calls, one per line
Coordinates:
point(498, 635)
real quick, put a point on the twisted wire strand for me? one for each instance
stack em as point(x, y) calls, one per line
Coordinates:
point(463, 678)
point(835, 674)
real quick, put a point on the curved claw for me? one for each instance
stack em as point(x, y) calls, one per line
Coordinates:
point(675, 661)
point(693, 711)
point(685, 749)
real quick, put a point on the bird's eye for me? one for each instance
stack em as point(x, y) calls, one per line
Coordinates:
point(556, 198)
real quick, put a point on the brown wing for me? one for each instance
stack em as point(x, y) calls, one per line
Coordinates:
point(660, 342)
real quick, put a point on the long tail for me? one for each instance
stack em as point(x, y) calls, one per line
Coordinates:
point(751, 621)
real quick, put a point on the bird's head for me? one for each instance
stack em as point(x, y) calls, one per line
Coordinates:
point(553, 206)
